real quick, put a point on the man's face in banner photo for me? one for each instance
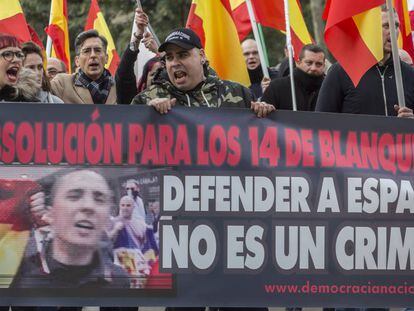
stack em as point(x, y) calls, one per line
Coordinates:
point(126, 205)
point(386, 31)
point(132, 189)
point(154, 208)
point(81, 203)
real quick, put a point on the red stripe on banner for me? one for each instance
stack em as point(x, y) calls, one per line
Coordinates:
point(339, 39)
point(16, 26)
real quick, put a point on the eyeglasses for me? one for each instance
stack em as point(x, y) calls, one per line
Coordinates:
point(88, 51)
point(9, 55)
point(53, 72)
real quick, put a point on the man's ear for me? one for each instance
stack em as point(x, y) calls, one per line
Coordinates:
point(77, 61)
point(106, 58)
point(203, 56)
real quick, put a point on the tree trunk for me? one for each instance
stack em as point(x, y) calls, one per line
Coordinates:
point(317, 7)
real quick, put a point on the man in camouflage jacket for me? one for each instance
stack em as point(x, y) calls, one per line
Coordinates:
point(187, 81)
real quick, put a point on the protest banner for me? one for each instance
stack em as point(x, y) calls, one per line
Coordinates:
point(299, 208)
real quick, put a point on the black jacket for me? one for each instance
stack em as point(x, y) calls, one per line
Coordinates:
point(42, 270)
point(338, 93)
point(256, 77)
point(125, 80)
point(279, 92)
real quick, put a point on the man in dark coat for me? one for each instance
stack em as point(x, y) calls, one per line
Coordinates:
point(254, 68)
point(376, 93)
point(308, 76)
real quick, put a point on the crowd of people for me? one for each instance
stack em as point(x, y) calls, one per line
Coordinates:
point(179, 75)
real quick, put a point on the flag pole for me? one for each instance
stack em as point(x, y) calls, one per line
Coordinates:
point(257, 38)
point(395, 56)
point(290, 54)
point(49, 39)
point(260, 28)
point(150, 29)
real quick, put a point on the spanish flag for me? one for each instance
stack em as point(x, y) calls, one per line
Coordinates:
point(411, 12)
point(95, 20)
point(58, 31)
point(271, 13)
point(15, 225)
point(405, 37)
point(353, 34)
point(35, 37)
point(12, 20)
point(241, 18)
point(212, 21)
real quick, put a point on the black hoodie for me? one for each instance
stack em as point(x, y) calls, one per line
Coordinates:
point(307, 87)
point(338, 93)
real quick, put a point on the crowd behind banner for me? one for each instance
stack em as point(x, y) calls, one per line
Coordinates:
point(278, 202)
point(298, 205)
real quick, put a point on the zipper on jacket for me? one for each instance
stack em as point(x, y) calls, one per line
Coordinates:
point(383, 88)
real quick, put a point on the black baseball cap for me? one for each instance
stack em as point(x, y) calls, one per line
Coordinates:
point(183, 37)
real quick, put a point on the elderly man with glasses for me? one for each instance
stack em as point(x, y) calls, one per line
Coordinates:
point(54, 67)
point(92, 83)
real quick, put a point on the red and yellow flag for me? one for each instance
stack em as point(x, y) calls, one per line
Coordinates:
point(58, 31)
point(241, 18)
point(15, 224)
point(405, 37)
point(353, 34)
point(35, 37)
point(271, 13)
point(12, 20)
point(212, 21)
point(96, 21)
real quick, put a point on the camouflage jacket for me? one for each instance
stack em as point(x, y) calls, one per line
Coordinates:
point(212, 93)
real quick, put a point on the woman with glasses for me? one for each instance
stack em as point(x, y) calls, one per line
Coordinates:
point(11, 61)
